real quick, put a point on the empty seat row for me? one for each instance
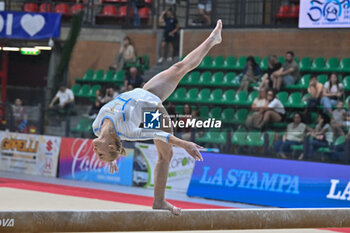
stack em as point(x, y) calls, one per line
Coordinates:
point(306, 64)
point(288, 11)
point(121, 12)
point(100, 77)
point(61, 8)
point(85, 91)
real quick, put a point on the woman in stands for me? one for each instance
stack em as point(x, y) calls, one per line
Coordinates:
point(127, 54)
point(333, 91)
point(120, 119)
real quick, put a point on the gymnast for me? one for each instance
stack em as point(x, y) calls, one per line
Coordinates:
point(120, 119)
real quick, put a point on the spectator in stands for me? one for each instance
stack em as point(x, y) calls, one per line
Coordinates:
point(127, 54)
point(66, 100)
point(204, 7)
point(332, 93)
point(347, 117)
point(272, 71)
point(171, 109)
point(321, 136)
point(19, 115)
point(185, 133)
point(258, 106)
point(315, 91)
point(96, 106)
point(251, 74)
point(133, 80)
point(341, 151)
point(293, 136)
point(168, 19)
point(338, 119)
point(274, 111)
point(110, 95)
point(288, 74)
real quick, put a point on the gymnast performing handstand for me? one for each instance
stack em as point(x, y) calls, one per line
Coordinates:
point(120, 119)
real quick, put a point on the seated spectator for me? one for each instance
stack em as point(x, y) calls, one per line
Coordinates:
point(321, 136)
point(273, 67)
point(293, 136)
point(66, 100)
point(185, 133)
point(250, 73)
point(341, 151)
point(126, 54)
point(258, 110)
point(110, 95)
point(338, 119)
point(288, 74)
point(168, 19)
point(274, 110)
point(204, 7)
point(171, 109)
point(96, 106)
point(20, 115)
point(347, 117)
point(315, 90)
point(332, 93)
point(133, 80)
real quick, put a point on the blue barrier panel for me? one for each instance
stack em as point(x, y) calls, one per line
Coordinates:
point(272, 182)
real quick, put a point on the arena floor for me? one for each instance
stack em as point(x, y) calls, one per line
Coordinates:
point(18, 192)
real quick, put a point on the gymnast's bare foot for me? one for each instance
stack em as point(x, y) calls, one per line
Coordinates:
point(215, 35)
point(164, 205)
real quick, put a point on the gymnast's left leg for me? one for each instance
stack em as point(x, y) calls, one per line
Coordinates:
point(163, 84)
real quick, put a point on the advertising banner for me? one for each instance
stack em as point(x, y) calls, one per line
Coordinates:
point(181, 167)
point(324, 14)
point(24, 25)
point(79, 162)
point(271, 182)
point(29, 153)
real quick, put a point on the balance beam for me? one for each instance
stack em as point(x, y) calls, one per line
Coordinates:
point(160, 220)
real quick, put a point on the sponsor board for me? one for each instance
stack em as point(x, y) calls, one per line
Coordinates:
point(28, 153)
point(180, 170)
point(79, 162)
point(271, 182)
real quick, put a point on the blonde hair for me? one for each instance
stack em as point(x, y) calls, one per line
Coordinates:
point(120, 150)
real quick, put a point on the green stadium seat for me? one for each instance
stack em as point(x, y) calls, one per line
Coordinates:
point(84, 91)
point(283, 97)
point(87, 76)
point(227, 115)
point(108, 77)
point(281, 59)
point(228, 97)
point(345, 65)
point(332, 65)
point(241, 61)
point(338, 141)
point(257, 59)
point(228, 78)
point(305, 99)
point(177, 95)
point(215, 96)
point(302, 84)
point(264, 64)
point(347, 100)
point(241, 97)
point(179, 109)
point(76, 88)
point(318, 64)
point(239, 137)
point(145, 63)
point(205, 79)
point(192, 78)
point(204, 112)
point(217, 79)
point(92, 92)
point(255, 139)
point(218, 62)
point(240, 116)
point(271, 136)
point(230, 63)
point(219, 137)
point(203, 96)
point(98, 76)
point(206, 63)
point(322, 78)
point(305, 64)
point(251, 97)
point(294, 101)
point(191, 95)
point(119, 76)
point(346, 83)
point(83, 125)
point(215, 113)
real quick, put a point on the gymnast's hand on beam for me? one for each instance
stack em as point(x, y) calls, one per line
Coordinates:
point(113, 167)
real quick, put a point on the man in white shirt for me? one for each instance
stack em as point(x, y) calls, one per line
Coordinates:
point(65, 97)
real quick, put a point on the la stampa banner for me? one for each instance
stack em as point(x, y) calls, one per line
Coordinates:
point(23, 25)
point(324, 14)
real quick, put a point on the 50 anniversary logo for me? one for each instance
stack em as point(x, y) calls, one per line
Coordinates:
point(330, 10)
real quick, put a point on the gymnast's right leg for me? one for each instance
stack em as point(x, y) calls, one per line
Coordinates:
point(163, 84)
